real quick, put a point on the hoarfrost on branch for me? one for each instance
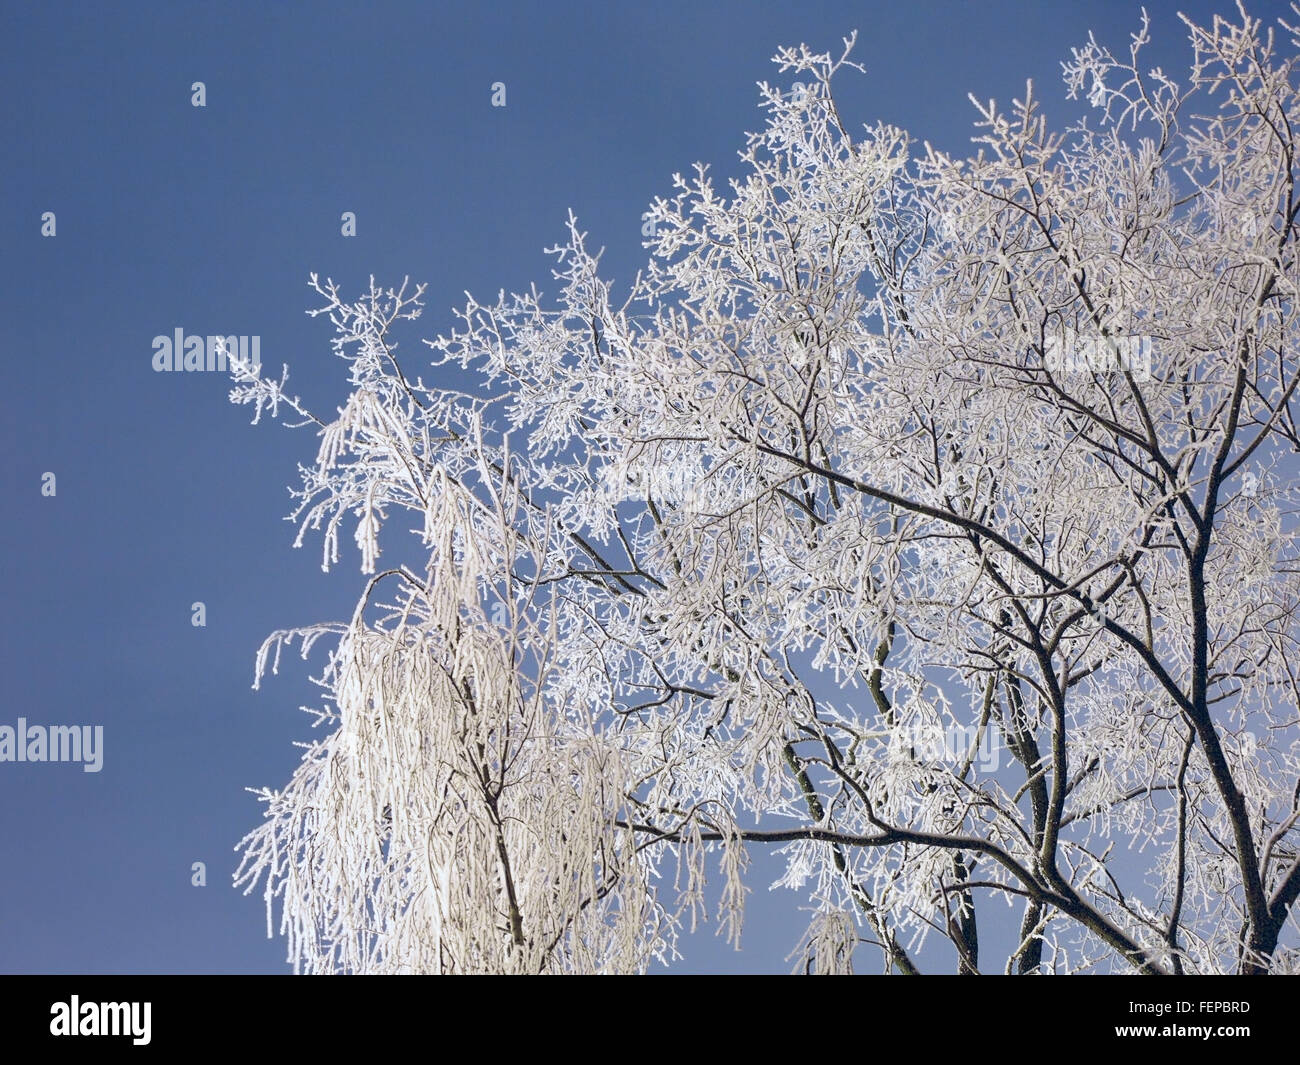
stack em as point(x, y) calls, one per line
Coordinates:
point(821, 541)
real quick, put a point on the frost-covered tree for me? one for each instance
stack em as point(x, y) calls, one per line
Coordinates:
point(928, 520)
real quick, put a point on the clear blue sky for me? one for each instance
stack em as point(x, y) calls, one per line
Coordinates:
point(170, 216)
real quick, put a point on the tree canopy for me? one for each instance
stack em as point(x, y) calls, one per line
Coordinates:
point(928, 520)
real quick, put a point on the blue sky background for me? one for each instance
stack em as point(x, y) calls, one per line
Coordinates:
point(210, 220)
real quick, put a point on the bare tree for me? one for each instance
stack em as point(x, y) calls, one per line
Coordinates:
point(931, 523)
